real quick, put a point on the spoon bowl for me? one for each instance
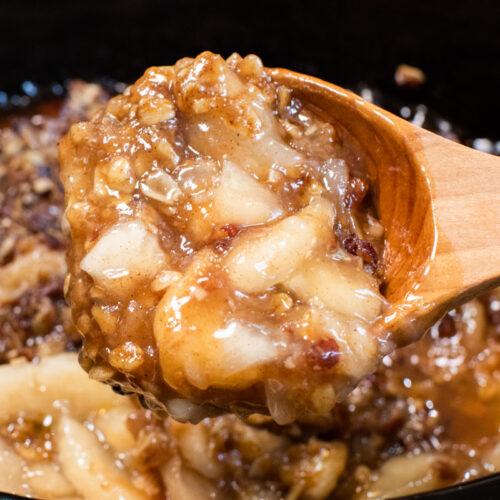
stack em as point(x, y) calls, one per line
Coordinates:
point(439, 202)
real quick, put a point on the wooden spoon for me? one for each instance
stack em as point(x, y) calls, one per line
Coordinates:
point(439, 202)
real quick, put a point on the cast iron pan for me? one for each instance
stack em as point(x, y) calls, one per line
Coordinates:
point(350, 43)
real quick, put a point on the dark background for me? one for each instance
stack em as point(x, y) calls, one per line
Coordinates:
point(456, 43)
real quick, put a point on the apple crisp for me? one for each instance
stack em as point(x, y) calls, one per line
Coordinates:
point(224, 250)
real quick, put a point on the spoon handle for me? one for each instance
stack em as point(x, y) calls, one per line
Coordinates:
point(464, 256)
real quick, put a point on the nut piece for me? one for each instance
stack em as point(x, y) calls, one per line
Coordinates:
point(116, 175)
point(154, 111)
point(105, 319)
point(120, 175)
point(281, 302)
point(323, 399)
point(101, 373)
point(251, 66)
point(164, 279)
point(83, 323)
point(165, 149)
point(409, 76)
point(284, 96)
point(43, 185)
point(79, 132)
point(127, 357)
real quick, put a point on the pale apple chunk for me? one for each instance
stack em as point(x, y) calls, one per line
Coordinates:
point(262, 259)
point(183, 325)
point(357, 345)
point(240, 199)
point(405, 475)
point(197, 346)
point(125, 255)
point(12, 468)
point(339, 286)
point(160, 186)
point(256, 154)
point(89, 468)
point(48, 481)
point(113, 426)
point(31, 389)
point(184, 483)
point(243, 346)
point(244, 129)
point(319, 469)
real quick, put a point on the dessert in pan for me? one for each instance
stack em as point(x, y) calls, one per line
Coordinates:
point(428, 416)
